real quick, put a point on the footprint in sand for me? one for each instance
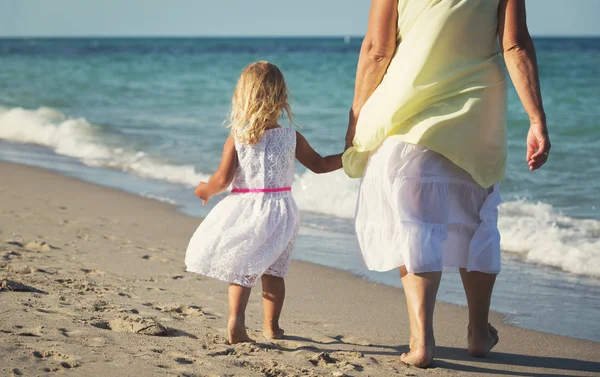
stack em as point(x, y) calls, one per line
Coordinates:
point(102, 306)
point(180, 311)
point(83, 234)
point(10, 255)
point(63, 360)
point(182, 359)
point(221, 351)
point(15, 286)
point(354, 341)
point(45, 311)
point(133, 324)
point(27, 270)
point(92, 272)
point(350, 360)
point(28, 334)
point(274, 369)
point(155, 258)
point(81, 285)
point(97, 342)
point(322, 359)
point(48, 354)
point(341, 360)
point(34, 245)
point(39, 246)
point(291, 346)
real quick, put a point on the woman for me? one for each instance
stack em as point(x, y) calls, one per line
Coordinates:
point(427, 134)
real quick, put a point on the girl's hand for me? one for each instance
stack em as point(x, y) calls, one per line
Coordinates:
point(202, 193)
point(538, 146)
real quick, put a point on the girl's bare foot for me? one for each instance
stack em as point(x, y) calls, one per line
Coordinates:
point(480, 344)
point(421, 353)
point(237, 331)
point(272, 332)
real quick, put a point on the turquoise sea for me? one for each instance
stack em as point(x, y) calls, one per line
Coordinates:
point(146, 116)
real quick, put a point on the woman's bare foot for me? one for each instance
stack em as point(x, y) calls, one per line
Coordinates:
point(481, 344)
point(237, 331)
point(421, 353)
point(272, 332)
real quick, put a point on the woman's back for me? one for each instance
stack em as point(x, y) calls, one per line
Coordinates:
point(444, 89)
point(460, 30)
point(269, 163)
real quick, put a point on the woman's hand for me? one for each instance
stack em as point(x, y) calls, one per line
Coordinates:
point(202, 192)
point(521, 61)
point(538, 145)
point(352, 120)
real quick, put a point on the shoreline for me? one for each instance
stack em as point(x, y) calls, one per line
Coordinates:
point(126, 251)
point(578, 310)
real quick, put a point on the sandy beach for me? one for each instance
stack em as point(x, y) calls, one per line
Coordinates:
point(93, 284)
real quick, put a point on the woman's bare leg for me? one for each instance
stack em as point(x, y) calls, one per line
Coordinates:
point(420, 291)
point(236, 324)
point(481, 335)
point(273, 295)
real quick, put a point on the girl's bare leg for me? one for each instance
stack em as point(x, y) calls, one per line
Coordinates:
point(236, 324)
point(273, 295)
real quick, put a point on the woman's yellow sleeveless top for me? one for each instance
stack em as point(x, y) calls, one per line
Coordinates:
point(445, 89)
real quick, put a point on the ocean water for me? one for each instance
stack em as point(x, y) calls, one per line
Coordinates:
point(146, 116)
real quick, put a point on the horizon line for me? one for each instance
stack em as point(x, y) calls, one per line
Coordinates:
point(189, 36)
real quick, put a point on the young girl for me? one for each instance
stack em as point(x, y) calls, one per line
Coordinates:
point(250, 234)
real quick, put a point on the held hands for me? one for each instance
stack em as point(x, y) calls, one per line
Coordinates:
point(352, 120)
point(202, 192)
point(538, 145)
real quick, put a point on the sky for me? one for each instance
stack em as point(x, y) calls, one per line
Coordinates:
point(244, 17)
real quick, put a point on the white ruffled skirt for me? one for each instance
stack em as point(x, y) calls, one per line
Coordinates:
point(418, 209)
point(245, 236)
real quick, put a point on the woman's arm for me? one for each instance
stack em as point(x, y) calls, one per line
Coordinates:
point(312, 160)
point(222, 178)
point(375, 55)
point(521, 61)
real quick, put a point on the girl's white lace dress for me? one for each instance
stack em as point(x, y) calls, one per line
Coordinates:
point(249, 234)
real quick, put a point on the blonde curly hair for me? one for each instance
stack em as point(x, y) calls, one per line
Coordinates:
point(259, 100)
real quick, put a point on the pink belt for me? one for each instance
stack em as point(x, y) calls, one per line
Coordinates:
point(281, 189)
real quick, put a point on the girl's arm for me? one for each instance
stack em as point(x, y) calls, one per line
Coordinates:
point(222, 178)
point(375, 56)
point(519, 55)
point(312, 160)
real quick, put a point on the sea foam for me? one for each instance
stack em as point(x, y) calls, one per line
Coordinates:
point(534, 232)
point(540, 234)
point(76, 137)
